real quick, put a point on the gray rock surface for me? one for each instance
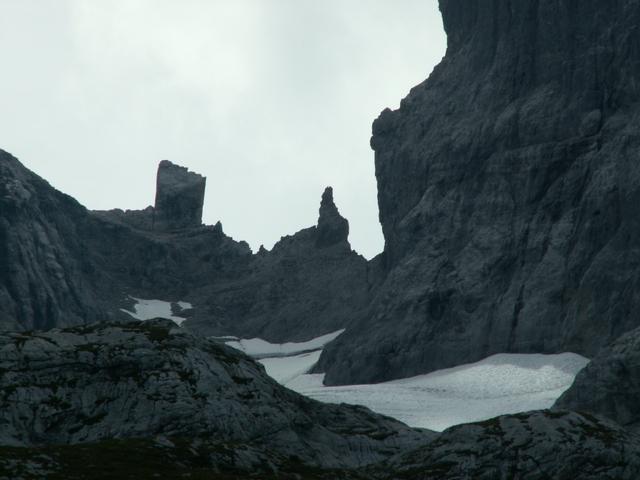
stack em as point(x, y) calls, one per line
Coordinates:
point(508, 188)
point(332, 227)
point(610, 384)
point(63, 265)
point(530, 446)
point(146, 379)
point(309, 284)
point(47, 277)
point(179, 197)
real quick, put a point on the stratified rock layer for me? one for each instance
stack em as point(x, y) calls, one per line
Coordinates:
point(508, 187)
point(179, 198)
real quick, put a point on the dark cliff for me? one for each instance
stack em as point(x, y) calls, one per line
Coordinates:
point(46, 275)
point(508, 193)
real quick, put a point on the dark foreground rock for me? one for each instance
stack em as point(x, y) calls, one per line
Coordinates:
point(138, 380)
point(610, 384)
point(530, 446)
point(508, 193)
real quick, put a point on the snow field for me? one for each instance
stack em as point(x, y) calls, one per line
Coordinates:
point(498, 385)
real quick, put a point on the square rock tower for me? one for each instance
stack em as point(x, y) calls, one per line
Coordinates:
point(179, 198)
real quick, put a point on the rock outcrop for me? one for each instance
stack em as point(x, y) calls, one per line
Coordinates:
point(610, 384)
point(142, 380)
point(179, 198)
point(530, 446)
point(508, 193)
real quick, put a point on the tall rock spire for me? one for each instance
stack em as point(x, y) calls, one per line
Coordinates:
point(333, 228)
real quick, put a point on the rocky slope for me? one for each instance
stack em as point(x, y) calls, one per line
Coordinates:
point(63, 265)
point(47, 277)
point(141, 380)
point(508, 191)
point(610, 384)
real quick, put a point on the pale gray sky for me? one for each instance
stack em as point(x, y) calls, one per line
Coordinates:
point(272, 100)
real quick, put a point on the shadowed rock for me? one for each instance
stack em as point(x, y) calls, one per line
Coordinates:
point(179, 197)
point(332, 227)
point(528, 446)
point(508, 193)
point(610, 384)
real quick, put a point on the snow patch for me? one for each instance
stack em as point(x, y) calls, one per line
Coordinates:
point(258, 348)
point(149, 309)
point(498, 385)
point(287, 369)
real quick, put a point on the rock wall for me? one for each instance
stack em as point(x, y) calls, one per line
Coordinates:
point(508, 187)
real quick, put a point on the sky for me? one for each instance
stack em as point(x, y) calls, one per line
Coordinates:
point(271, 100)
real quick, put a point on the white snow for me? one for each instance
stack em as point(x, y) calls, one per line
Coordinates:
point(498, 385)
point(150, 309)
point(287, 369)
point(258, 348)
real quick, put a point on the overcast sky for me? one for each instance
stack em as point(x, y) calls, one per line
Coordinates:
point(271, 100)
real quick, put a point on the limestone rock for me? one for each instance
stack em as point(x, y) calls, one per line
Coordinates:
point(610, 384)
point(46, 272)
point(179, 197)
point(63, 265)
point(508, 188)
point(332, 227)
point(529, 446)
point(141, 380)
point(309, 284)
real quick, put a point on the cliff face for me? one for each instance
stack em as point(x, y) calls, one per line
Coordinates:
point(508, 189)
point(46, 274)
